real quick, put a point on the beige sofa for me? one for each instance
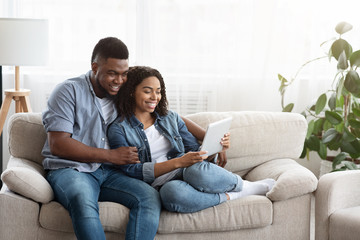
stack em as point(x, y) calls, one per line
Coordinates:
point(337, 212)
point(264, 145)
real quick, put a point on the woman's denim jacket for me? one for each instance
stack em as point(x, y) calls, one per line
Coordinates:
point(131, 133)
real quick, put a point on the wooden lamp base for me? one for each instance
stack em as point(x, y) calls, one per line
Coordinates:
point(20, 96)
point(22, 103)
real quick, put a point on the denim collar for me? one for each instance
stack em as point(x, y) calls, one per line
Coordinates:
point(136, 123)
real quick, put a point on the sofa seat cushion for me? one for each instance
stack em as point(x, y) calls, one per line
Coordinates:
point(248, 212)
point(113, 216)
point(344, 224)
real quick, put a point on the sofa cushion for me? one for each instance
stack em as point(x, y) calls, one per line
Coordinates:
point(292, 179)
point(113, 216)
point(248, 212)
point(28, 183)
point(26, 130)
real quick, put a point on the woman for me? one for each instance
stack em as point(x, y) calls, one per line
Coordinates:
point(170, 160)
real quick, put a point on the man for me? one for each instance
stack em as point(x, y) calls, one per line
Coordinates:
point(80, 163)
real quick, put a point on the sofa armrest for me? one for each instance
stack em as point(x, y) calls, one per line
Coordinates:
point(27, 179)
point(18, 216)
point(337, 190)
point(292, 179)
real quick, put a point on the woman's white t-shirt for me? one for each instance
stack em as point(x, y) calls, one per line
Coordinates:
point(159, 147)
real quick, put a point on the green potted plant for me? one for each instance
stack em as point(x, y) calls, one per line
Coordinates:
point(334, 120)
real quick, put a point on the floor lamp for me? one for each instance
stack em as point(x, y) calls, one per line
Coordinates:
point(23, 42)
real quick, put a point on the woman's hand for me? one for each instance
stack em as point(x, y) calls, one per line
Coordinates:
point(222, 159)
point(190, 158)
point(225, 142)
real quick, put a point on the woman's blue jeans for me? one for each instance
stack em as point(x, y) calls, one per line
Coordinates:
point(80, 192)
point(204, 185)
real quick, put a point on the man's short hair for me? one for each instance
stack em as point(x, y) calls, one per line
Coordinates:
point(110, 47)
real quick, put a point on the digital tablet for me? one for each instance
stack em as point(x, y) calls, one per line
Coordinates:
point(214, 132)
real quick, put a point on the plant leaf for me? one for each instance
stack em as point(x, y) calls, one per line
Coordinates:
point(313, 143)
point(288, 108)
point(340, 127)
point(333, 117)
point(332, 101)
point(342, 61)
point(354, 123)
point(322, 151)
point(329, 135)
point(304, 151)
point(350, 147)
point(281, 78)
point(339, 46)
point(356, 111)
point(318, 126)
point(356, 132)
point(350, 165)
point(355, 59)
point(339, 91)
point(320, 103)
point(338, 159)
point(343, 27)
point(348, 136)
point(310, 129)
point(352, 83)
point(340, 101)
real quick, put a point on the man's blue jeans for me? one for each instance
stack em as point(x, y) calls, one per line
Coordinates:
point(204, 185)
point(80, 192)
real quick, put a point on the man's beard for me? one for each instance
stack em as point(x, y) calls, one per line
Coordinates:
point(103, 90)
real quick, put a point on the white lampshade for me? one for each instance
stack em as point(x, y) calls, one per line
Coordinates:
point(23, 42)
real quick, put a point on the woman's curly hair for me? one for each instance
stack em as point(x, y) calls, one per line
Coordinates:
point(125, 100)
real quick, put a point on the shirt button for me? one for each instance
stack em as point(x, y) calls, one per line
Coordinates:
point(145, 140)
point(102, 139)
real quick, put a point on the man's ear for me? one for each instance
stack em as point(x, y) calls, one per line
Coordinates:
point(94, 67)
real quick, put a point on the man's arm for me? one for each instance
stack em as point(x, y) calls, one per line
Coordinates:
point(62, 145)
point(194, 128)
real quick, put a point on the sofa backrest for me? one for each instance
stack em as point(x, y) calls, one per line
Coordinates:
point(257, 137)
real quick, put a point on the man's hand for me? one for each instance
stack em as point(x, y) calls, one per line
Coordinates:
point(124, 155)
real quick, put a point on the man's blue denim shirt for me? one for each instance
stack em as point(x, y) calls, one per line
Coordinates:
point(131, 133)
point(74, 108)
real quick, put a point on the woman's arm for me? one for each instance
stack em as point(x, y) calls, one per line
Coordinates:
point(186, 160)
